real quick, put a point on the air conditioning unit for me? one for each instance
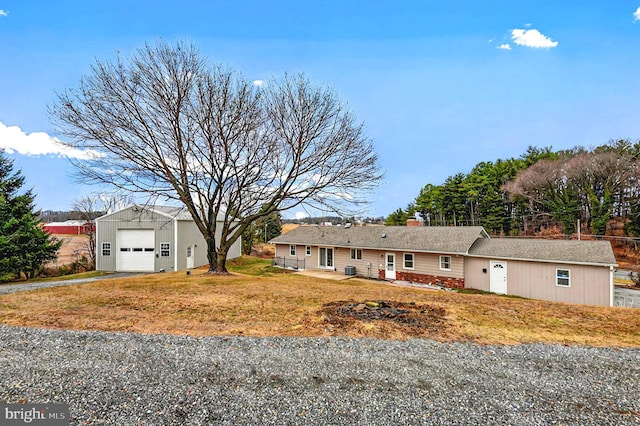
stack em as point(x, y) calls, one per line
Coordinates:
point(350, 270)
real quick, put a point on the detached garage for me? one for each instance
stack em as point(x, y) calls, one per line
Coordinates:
point(150, 239)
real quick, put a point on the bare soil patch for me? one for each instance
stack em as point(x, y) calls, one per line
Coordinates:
point(416, 320)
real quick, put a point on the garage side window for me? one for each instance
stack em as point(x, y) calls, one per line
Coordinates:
point(165, 249)
point(563, 278)
point(308, 251)
point(292, 249)
point(106, 249)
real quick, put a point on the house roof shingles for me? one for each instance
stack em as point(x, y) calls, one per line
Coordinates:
point(468, 240)
point(454, 240)
point(569, 251)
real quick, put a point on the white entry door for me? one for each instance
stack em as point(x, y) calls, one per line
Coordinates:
point(136, 250)
point(190, 257)
point(498, 277)
point(325, 257)
point(390, 266)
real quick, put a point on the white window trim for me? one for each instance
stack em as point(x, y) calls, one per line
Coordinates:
point(168, 249)
point(413, 261)
point(292, 250)
point(568, 278)
point(108, 248)
point(440, 265)
point(307, 251)
point(353, 254)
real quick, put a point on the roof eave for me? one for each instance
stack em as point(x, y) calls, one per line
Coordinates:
point(524, 259)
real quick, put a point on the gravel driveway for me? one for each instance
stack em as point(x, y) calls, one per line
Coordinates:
point(13, 288)
point(130, 379)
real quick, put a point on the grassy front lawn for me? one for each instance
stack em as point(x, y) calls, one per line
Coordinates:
point(260, 301)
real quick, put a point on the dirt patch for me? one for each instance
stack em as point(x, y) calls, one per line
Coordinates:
point(412, 319)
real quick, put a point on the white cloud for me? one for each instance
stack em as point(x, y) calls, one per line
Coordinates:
point(301, 215)
point(636, 15)
point(258, 83)
point(505, 46)
point(532, 38)
point(4, 13)
point(13, 139)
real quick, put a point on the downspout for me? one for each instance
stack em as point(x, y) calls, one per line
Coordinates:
point(175, 244)
point(98, 252)
point(611, 288)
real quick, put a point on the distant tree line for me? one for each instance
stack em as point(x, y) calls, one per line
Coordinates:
point(48, 216)
point(542, 186)
point(336, 220)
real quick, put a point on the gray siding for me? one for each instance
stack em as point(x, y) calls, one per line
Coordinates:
point(163, 227)
point(590, 285)
point(190, 235)
point(107, 231)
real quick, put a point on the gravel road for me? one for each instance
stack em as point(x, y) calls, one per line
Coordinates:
point(130, 379)
point(15, 287)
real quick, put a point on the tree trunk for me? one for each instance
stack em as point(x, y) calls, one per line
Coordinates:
point(211, 255)
point(217, 258)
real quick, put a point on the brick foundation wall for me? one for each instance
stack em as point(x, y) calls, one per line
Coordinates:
point(430, 279)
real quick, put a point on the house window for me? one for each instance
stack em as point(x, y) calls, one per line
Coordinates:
point(308, 251)
point(408, 261)
point(292, 249)
point(165, 249)
point(562, 278)
point(445, 263)
point(106, 249)
point(356, 254)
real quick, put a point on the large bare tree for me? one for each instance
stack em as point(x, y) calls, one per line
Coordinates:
point(168, 124)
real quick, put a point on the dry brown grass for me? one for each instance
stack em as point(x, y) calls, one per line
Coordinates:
point(277, 304)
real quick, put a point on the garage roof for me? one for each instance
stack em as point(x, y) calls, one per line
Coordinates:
point(566, 251)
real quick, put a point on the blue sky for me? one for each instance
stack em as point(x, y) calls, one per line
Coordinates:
point(440, 85)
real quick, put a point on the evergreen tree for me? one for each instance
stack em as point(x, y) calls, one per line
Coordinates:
point(24, 245)
point(271, 224)
point(397, 218)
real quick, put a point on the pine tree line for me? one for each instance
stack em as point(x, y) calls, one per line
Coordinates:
point(542, 186)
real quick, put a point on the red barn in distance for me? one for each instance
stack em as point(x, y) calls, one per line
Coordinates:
point(70, 227)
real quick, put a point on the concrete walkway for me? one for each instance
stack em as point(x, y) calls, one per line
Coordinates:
point(328, 275)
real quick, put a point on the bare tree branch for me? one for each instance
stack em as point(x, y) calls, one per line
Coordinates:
point(168, 124)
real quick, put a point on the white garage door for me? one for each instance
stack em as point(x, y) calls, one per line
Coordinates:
point(136, 250)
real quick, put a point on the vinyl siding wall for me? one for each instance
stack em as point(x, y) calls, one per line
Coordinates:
point(429, 264)
point(373, 260)
point(189, 235)
point(536, 280)
point(107, 231)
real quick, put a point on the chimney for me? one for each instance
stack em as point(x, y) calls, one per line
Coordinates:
point(413, 222)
